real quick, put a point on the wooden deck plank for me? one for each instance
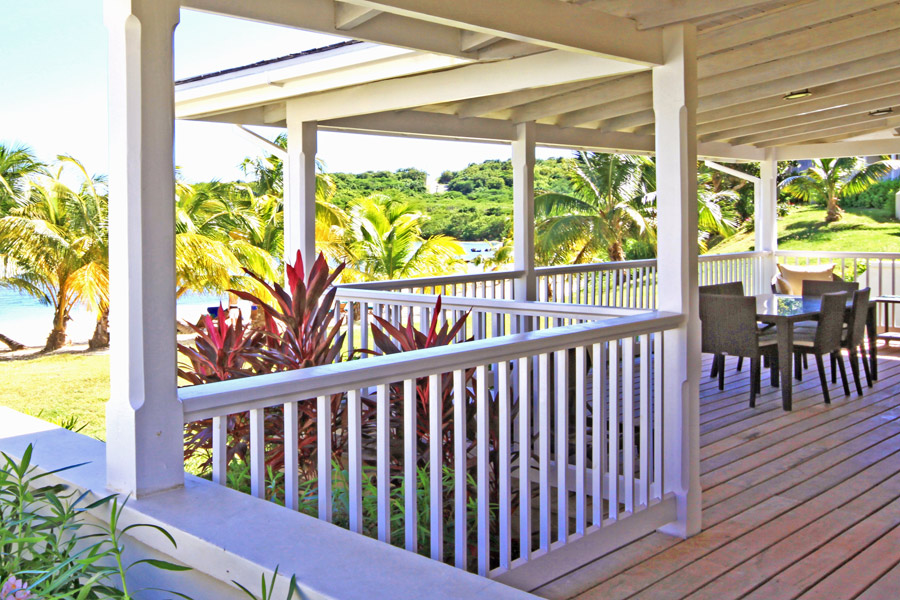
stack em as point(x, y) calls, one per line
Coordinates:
point(792, 501)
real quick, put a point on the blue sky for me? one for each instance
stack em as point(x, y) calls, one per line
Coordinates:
point(53, 95)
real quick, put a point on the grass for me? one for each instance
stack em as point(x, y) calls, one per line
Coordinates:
point(804, 228)
point(59, 387)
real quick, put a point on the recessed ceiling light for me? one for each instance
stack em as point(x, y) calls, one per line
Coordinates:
point(881, 112)
point(797, 94)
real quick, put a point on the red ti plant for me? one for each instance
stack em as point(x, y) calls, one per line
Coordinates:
point(390, 339)
point(301, 331)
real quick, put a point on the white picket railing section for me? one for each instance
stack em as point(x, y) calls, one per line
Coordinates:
point(627, 284)
point(486, 318)
point(493, 455)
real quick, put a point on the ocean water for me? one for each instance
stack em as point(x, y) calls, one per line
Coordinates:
point(25, 320)
point(29, 322)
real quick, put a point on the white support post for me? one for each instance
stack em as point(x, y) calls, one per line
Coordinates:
point(300, 190)
point(523, 210)
point(144, 431)
point(766, 217)
point(675, 105)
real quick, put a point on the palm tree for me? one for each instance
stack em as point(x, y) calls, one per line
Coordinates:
point(384, 241)
point(54, 247)
point(606, 211)
point(831, 179)
point(18, 166)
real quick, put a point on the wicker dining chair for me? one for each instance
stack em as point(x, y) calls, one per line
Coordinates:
point(817, 288)
point(854, 336)
point(729, 327)
point(826, 339)
point(732, 288)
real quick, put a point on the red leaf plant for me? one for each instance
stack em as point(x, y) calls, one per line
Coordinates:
point(301, 330)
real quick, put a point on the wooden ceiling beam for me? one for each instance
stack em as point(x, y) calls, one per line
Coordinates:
point(820, 94)
point(477, 107)
point(725, 128)
point(811, 130)
point(828, 115)
point(548, 23)
point(657, 13)
point(349, 16)
point(622, 87)
point(797, 18)
point(838, 149)
point(718, 78)
point(834, 134)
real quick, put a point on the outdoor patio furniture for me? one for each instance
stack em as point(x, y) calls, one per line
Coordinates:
point(853, 337)
point(729, 327)
point(733, 288)
point(791, 278)
point(827, 338)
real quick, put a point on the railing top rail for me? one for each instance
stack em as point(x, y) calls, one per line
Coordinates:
point(604, 266)
point(730, 255)
point(512, 307)
point(432, 281)
point(826, 254)
point(262, 391)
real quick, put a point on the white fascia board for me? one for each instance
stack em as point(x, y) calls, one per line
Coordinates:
point(263, 88)
point(838, 149)
point(418, 124)
point(462, 83)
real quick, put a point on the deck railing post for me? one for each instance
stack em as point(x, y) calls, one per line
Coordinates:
point(300, 189)
point(675, 105)
point(523, 211)
point(766, 219)
point(144, 417)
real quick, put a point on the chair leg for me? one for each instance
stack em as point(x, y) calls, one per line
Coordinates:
point(740, 363)
point(774, 372)
point(833, 368)
point(714, 369)
point(798, 370)
point(865, 361)
point(721, 370)
point(822, 378)
point(854, 366)
point(805, 361)
point(754, 380)
point(837, 358)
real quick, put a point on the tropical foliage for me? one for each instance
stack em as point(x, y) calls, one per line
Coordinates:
point(828, 180)
point(612, 213)
point(54, 245)
point(384, 241)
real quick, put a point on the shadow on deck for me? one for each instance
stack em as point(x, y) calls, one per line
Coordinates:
point(803, 504)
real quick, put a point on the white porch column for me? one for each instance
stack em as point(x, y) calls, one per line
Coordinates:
point(144, 428)
point(523, 210)
point(675, 105)
point(765, 218)
point(300, 190)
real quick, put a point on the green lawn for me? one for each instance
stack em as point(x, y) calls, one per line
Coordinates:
point(804, 228)
point(59, 387)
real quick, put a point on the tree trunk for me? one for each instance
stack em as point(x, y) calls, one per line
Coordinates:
point(100, 339)
point(13, 344)
point(834, 211)
point(616, 253)
point(57, 338)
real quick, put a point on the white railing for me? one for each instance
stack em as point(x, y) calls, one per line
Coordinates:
point(579, 407)
point(494, 285)
point(626, 284)
point(486, 318)
point(746, 267)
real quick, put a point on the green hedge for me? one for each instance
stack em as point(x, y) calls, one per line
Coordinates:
point(880, 195)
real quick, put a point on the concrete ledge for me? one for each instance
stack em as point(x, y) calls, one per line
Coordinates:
point(225, 535)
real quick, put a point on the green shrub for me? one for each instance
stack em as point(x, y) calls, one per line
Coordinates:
point(879, 195)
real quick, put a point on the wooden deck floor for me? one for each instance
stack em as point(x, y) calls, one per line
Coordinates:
point(803, 504)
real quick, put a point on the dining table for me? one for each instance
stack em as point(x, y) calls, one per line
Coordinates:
point(784, 311)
